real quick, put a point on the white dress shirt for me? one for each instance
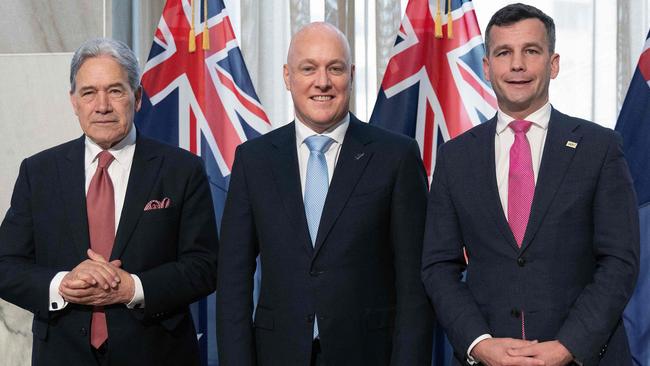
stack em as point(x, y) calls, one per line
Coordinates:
point(503, 139)
point(119, 172)
point(336, 133)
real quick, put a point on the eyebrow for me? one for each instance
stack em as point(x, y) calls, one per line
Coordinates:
point(313, 61)
point(525, 45)
point(113, 85)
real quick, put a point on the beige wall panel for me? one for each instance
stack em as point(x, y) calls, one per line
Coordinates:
point(35, 114)
point(29, 26)
point(35, 111)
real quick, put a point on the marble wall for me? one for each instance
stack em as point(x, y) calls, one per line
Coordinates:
point(38, 38)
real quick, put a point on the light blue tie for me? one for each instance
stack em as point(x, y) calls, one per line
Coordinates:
point(316, 184)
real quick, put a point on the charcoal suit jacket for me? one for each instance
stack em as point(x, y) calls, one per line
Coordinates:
point(172, 250)
point(361, 278)
point(578, 262)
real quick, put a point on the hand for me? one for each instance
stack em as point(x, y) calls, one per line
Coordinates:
point(95, 271)
point(495, 352)
point(97, 282)
point(553, 353)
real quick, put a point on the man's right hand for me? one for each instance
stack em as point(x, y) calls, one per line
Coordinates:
point(93, 272)
point(494, 352)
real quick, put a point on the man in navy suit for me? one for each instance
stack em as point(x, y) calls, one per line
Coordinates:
point(543, 205)
point(338, 229)
point(146, 206)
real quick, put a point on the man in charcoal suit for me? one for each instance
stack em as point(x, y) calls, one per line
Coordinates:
point(544, 207)
point(111, 236)
point(335, 209)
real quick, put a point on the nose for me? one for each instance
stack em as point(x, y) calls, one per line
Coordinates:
point(103, 103)
point(517, 62)
point(323, 81)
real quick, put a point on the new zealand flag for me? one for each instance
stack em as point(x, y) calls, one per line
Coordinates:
point(634, 125)
point(433, 87)
point(198, 95)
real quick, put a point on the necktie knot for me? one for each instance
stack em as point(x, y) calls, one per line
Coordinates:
point(318, 143)
point(105, 159)
point(520, 125)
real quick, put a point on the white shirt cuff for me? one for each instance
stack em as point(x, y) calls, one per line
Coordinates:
point(471, 359)
point(137, 302)
point(56, 300)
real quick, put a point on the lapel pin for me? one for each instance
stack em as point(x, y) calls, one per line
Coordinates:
point(359, 156)
point(571, 144)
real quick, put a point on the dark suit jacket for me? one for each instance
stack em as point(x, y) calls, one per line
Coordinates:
point(578, 263)
point(362, 277)
point(172, 250)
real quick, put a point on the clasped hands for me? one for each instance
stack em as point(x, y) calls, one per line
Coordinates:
point(97, 282)
point(517, 352)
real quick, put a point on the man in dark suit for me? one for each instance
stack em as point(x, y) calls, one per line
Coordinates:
point(338, 228)
point(544, 207)
point(111, 236)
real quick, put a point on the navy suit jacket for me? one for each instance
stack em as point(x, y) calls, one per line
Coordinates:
point(362, 276)
point(578, 263)
point(171, 250)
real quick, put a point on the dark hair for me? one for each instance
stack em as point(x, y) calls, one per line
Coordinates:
point(513, 13)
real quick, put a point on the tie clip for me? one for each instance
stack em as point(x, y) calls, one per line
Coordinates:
point(571, 144)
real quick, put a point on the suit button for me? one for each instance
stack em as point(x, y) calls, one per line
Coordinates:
point(602, 351)
point(310, 318)
point(515, 313)
point(83, 331)
point(521, 261)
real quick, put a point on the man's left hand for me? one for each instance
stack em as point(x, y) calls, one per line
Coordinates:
point(553, 353)
point(80, 292)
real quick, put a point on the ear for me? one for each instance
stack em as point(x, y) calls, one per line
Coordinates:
point(138, 98)
point(555, 65)
point(285, 73)
point(486, 68)
point(352, 69)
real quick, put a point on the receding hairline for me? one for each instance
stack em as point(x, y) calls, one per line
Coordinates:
point(320, 27)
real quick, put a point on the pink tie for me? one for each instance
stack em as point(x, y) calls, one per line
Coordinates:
point(100, 205)
point(521, 181)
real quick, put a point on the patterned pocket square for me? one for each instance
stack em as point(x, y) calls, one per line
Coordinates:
point(156, 205)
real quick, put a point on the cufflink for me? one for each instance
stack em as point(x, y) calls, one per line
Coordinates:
point(54, 306)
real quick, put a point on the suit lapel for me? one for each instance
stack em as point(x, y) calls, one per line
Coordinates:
point(73, 183)
point(488, 193)
point(555, 161)
point(284, 165)
point(143, 175)
point(353, 159)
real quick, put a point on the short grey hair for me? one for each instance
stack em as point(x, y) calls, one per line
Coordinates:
point(106, 47)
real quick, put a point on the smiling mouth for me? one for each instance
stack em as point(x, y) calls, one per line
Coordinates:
point(518, 82)
point(322, 98)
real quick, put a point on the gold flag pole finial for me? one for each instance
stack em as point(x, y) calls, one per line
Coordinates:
point(450, 21)
point(192, 37)
point(438, 20)
point(206, 31)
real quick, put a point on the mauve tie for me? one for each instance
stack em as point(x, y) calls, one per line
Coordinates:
point(100, 204)
point(521, 181)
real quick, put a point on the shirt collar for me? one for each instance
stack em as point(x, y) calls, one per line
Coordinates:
point(540, 118)
point(336, 132)
point(119, 150)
